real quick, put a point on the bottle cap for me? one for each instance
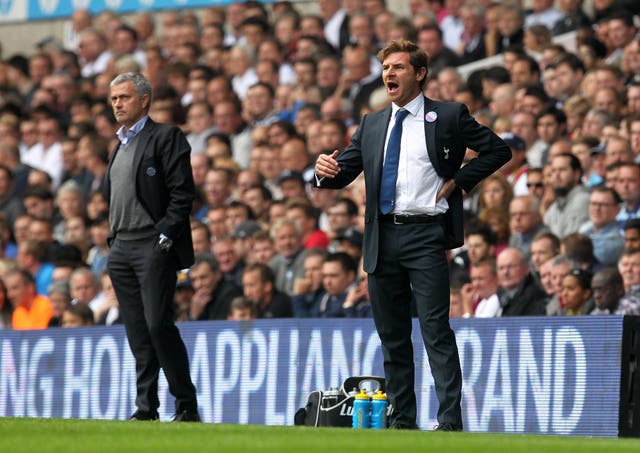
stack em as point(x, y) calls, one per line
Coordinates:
point(380, 396)
point(362, 395)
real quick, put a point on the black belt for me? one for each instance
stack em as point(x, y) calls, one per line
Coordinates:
point(399, 219)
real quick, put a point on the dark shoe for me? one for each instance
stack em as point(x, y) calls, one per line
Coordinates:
point(447, 427)
point(144, 415)
point(403, 425)
point(187, 416)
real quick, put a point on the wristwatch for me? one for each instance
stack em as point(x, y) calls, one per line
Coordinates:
point(165, 243)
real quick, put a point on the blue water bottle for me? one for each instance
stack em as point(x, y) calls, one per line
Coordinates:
point(379, 411)
point(361, 409)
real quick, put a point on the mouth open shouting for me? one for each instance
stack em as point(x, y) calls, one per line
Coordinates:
point(392, 88)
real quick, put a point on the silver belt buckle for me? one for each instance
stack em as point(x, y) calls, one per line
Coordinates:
point(395, 220)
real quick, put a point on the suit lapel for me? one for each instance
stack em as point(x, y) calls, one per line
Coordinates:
point(380, 131)
point(430, 133)
point(145, 134)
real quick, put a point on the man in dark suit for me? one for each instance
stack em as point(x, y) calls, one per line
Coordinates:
point(413, 214)
point(150, 189)
point(213, 294)
point(519, 293)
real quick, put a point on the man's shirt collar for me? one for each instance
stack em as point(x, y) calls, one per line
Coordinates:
point(413, 107)
point(125, 136)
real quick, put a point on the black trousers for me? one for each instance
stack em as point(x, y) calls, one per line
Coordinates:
point(144, 279)
point(412, 264)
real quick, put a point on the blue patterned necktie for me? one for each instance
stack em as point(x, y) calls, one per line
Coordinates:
point(390, 168)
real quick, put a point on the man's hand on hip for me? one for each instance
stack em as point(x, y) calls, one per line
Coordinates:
point(447, 189)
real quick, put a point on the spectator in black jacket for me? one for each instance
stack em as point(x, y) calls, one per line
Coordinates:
point(519, 294)
point(213, 294)
point(258, 285)
point(338, 276)
point(308, 291)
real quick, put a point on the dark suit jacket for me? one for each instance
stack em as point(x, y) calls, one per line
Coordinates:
point(447, 139)
point(221, 297)
point(279, 307)
point(164, 184)
point(529, 300)
point(476, 53)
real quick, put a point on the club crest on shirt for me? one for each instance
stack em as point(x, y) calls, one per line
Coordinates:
point(151, 171)
point(446, 152)
point(431, 116)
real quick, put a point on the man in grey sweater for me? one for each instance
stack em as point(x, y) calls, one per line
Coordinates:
point(150, 189)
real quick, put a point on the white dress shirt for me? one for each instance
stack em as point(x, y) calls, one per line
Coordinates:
point(549, 17)
point(452, 28)
point(242, 82)
point(97, 66)
point(418, 183)
point(48, 160)
point(332, 28)
point(488, 308)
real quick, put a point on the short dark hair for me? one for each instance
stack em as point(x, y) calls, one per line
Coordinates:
point(346, 261)
point(304, 205)
point(477, 227)
point(574, 162)
point(609, 190)
point(266, 193)
point(572, 61)
point(259, 21)
point(220, 137)
point(555, 241)
point(579, 248)
point(431, 27)
point(558, 115)
point(207, 258)
point(531, 62)
point(39, 192)
point(37, 249)
point(537, 91)
point(497, 74)
point(239, 204)
point(417, 57)
point(25, 276)
point(128, 29)
point(632, 224)
point(266, 273)
point(623, 15)
point(266, 86)
point(352, 207)
point(83, 311)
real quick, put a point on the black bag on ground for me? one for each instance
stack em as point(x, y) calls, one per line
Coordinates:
point(334, 407)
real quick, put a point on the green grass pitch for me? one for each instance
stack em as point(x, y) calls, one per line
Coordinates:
point(57, 435)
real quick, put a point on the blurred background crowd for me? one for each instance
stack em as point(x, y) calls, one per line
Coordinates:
point(261, 90)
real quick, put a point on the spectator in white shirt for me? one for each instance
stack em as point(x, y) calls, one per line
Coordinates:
point(46, 155)
point(484, 286)
point(94, 56)
point(452, 25)
point(241, 69)
point(543, 13)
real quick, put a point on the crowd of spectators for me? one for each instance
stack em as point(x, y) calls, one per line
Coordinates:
point(261, 91)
